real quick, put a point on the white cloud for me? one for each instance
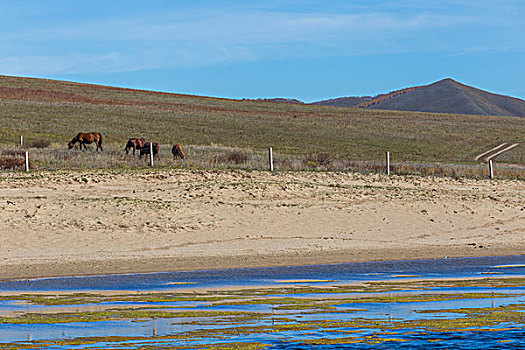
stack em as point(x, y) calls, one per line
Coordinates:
point(206, 37)
point(42, 65)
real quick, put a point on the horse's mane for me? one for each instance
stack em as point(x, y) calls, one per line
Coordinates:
point(76, 138)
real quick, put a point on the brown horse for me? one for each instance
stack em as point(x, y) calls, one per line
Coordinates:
point(134, 143)
point(145, 149)
point(177, 152)
point(87, 138)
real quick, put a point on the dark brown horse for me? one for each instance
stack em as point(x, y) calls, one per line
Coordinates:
point(177, 152)
point(84, 138)
point(145, 149)
point(134, 143)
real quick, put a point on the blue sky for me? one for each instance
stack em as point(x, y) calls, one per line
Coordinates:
point(302, 49)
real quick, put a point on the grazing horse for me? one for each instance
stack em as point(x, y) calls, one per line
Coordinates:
point(145, 149)
point(87, 138)
point(134, 143)
point(177, 152)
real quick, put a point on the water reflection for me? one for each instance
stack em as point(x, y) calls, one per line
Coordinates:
point(359, 320)
point(378, 270)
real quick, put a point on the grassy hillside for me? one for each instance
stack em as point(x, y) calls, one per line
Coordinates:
point(56, 111)
point(449, 96)
point(343, 101)
point(444, 96)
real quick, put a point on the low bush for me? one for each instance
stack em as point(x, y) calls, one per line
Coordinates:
point(13, 163)
point(314, 160)
point(40, 143)
point(232, 157)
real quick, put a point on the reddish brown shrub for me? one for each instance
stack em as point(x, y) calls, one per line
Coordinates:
point(234, 157)
point(41, 143)
point(14, 163)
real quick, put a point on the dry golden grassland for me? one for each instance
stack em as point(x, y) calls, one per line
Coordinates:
point(302, 136)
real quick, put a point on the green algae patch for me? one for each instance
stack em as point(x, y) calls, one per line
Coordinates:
point(160, 342)
point(421, 298)
point(489, 282)
point(283, 316)
point(370, 340)
point(490, 318)
point(281, 303)
point(87, 298)
point(473, 319)
point(382, 286)
point(53, 300)
point(121, 314)
point(218, 296)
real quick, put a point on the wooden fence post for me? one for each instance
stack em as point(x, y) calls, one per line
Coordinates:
point(491, 169)
point(151, 154)
point(27, 161)
point(270, 154)
point(388, 163)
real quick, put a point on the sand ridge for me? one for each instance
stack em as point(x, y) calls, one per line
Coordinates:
point(68, 223)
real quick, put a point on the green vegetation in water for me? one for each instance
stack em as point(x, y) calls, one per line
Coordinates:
point(369, 339)
point(276, 304)
point(88, 298)
point(472, 319)
point(159, 342)
point(491, 282)
point(122, 314)
point(282, 303)
point(284, 314)
point(421, 298)
point(262, 295)
point(384, 286)
point(490, 318)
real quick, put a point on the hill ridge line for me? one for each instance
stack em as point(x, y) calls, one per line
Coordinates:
point(443, 96)
point(384, 97)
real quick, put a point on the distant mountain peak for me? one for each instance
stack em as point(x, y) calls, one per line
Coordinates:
point(446, 80)
point(443, 96)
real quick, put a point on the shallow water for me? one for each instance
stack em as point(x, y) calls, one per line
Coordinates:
point(366, 271)
point(378, 323)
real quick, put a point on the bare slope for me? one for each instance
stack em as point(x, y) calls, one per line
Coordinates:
point(444, 96)
point(449, 96)
point(343, 101)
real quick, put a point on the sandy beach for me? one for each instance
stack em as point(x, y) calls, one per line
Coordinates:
point(78, 223)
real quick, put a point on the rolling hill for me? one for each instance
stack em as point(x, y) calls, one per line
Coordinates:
point(57, 110)
point(343, 101)
point(444, 96)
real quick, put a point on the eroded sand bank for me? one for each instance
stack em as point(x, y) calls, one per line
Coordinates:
point(75, 223)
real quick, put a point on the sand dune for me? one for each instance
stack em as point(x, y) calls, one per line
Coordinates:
point(74, 223)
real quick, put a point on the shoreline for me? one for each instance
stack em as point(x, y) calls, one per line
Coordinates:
point(116, 292)
point(44, 270)
point(90, 223)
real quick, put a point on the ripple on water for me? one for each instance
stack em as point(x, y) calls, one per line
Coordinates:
point(283, 318)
